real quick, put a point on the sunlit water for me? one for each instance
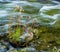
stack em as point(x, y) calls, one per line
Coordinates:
point(48, 12)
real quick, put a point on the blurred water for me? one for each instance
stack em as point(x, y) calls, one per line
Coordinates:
point(47, 12)
point(41, 9)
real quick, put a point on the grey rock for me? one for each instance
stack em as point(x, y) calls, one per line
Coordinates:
point(27, 36)
point(29, 49)
point(12, 50)
point(2, 48)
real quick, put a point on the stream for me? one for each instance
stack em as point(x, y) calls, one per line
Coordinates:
point(47, 12)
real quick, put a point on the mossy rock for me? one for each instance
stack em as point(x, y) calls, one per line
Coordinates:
point(13, 50)
point(14, 37)
point(15, 40)
point(28, 49)
point(47, 36)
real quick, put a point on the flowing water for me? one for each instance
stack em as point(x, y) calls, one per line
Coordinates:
point(46, 11)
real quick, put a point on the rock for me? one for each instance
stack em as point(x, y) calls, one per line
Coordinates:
point(21, 40)
point(7, 45)
point(12, 50)
point(28, 49)
point(27, 36)
point(3, 31)
point(3, 48)
point(43, 51)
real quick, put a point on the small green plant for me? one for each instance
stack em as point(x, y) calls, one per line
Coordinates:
point(23, 50)
point(14, 36)
point(13, 51)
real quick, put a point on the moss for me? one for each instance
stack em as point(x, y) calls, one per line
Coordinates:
point(30, 10)
point(53, 11)
point(15, 35)
point(23, 50)
point(13, 50)
point(47, 37)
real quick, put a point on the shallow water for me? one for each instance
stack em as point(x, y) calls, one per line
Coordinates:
point(33, 8)
point(47, 12)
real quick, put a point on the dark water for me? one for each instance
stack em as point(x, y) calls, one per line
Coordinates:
point(46, 11)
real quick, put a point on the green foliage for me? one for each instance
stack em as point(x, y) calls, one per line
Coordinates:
point(53, 11)
point(28, 9)
point(15, 35)
point(13, 51)
point(47, 36)
point(23, 50)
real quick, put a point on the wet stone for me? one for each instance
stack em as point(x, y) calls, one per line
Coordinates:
point(12, 50)
point(2, 48)
point(28, 49)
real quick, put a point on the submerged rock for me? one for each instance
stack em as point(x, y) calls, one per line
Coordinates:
point(3, 31)
point(12, 50)
point(5, 1)
point(28, 49)
point(28, 35)
point(3, 48)
point(21, 40)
